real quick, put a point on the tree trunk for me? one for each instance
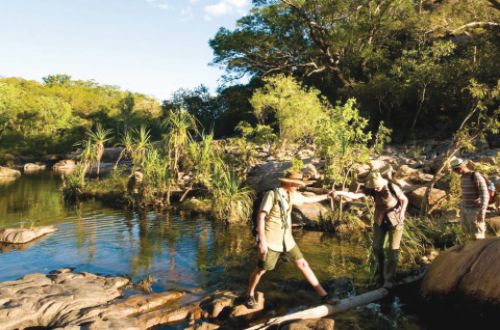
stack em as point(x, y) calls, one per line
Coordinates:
point(419, 109)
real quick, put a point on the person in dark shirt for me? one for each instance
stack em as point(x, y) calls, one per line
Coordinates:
point(390, 209)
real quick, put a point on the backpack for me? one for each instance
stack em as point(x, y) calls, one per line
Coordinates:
point(490, 186)
point(256, 209)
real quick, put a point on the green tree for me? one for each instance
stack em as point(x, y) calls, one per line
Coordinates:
point(296, 109)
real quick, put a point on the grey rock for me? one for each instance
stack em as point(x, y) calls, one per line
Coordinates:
point(24, 235)
point(9, 172)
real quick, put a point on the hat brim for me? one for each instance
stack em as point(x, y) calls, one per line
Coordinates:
point(379, 184)
point(297, 182)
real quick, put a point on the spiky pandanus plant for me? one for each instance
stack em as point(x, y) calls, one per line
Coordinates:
point(87, 157)
point(141, 143)
point(203, 157)
point(127, 142)
point(231, 201)
point(156, 178)
point(99, 137)
point(180, 126)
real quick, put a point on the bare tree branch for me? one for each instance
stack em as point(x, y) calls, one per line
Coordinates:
point(473, 24)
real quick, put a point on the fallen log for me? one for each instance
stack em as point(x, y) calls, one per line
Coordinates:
point(343, 305)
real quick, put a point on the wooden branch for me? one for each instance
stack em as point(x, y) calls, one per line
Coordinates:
point(317, 34)
point(344, 305)
point(184, 195)
point(495, 4)
point(474, 24)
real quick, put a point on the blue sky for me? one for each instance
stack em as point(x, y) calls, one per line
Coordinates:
point(148, 46)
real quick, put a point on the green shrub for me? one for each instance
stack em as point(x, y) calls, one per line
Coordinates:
point(231, 201)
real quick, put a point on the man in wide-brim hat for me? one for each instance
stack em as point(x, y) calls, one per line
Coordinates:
point(390, 209)
point(274, 228)
point(475, 199)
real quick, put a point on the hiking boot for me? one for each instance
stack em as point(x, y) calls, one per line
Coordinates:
point(251, 302)
point(329, 300)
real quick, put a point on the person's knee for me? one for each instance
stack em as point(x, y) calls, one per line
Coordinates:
point(302, 264)
point(259, 271)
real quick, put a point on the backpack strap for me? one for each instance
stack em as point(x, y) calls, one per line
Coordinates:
point(393, 192)
point(283, 211)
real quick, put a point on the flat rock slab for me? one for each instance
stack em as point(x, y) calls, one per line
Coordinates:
point(24, 235)
point(67, 300)
point(53, 300)
point(470, 270)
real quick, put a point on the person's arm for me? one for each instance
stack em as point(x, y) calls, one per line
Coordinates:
point(299, 199)
point(403, 200)
point(261, 219)
point(349, 194)
point(264, 209)
point(484, 195)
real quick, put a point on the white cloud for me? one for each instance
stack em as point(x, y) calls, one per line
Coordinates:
point(224, 7)
point(161, 4)
point(188, 10)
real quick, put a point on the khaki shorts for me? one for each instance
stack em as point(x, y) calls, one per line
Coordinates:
point(271, 258)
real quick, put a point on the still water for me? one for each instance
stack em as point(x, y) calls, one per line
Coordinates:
point(180, 252)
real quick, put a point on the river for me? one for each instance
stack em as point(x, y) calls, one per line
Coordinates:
point(182, 252)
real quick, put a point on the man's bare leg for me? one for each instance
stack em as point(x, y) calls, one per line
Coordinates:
point(254, 280)
point(303, 266)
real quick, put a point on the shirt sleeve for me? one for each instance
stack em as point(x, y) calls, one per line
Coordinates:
point(267, 202)
point(484, 196)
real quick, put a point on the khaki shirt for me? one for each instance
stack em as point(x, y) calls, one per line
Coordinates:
point(278, 237)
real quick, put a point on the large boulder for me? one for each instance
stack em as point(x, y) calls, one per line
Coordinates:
point(494, 225)
point(24, 235)
point(33, 167)
point(65, 166)
point(469, 271)
point(417, 196)
point(412, 175)
point(111, 155)
point(266, 176)
point(6, 172)
point(310, 215)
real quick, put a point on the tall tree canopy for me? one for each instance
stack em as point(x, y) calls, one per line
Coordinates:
point(407, 62)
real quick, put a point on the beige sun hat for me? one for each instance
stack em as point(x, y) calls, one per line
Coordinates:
point(376, 181)
point(296, 178)
point(456, 162)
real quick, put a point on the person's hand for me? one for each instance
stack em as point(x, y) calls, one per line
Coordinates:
point(262, 248)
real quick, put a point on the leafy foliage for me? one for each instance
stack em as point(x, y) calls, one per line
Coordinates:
point(406, 62)
point(36, 118)
point(343, 140)
point(296, 109)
